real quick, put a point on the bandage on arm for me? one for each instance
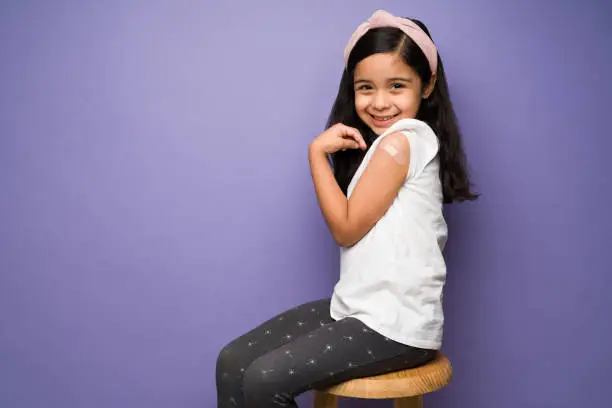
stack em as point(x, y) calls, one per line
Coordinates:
point(397, 146)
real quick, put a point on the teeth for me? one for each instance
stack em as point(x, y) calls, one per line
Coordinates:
point(384, 119)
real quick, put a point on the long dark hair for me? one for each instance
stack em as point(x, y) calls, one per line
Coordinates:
point(437, 111)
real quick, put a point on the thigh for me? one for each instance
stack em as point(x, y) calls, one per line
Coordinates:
point(236, 356)
point(328, 355)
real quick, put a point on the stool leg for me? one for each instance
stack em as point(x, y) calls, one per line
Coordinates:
point(410, 402)
point(325, 400)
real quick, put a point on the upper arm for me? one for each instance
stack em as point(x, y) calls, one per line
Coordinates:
point(378, 186)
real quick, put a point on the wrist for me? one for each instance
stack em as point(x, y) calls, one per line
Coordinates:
point(314, 150)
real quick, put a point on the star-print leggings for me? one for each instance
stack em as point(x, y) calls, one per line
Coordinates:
point(302, 349)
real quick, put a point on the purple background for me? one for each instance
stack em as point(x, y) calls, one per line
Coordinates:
point(155, 200)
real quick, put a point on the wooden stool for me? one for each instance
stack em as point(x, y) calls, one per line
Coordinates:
point(406, 387)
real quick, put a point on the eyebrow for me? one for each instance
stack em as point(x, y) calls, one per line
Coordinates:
point(403, 79)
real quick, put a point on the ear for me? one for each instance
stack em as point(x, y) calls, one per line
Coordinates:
point(430, 87)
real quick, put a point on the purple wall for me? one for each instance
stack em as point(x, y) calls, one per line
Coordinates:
point(155, 199)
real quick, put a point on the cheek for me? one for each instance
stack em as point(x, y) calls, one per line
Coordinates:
point(361, 103)
point(409, 104)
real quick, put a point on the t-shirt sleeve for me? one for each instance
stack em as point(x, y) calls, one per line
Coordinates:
point(423, 149)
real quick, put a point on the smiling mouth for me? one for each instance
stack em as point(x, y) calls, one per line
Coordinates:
point(383, 119)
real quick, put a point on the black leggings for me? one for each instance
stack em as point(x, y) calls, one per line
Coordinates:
point(302, 349)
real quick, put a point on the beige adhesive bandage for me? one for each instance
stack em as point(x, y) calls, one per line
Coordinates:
point(395, 149)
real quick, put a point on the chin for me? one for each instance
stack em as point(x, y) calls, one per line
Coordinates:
point(377, 130)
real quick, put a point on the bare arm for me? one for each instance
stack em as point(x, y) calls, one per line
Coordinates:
point(350, 220)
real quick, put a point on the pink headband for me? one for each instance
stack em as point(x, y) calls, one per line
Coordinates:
point(382, 18)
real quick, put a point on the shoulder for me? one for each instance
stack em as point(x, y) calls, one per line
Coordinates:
point(396, 140)
point(417, 141)
point(395, 146)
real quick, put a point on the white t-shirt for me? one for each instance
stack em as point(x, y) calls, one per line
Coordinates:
point(392, 279)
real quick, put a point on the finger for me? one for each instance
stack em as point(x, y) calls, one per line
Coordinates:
point(356, 139)
point(349, 144)
point(347, 131)
point(357, 136)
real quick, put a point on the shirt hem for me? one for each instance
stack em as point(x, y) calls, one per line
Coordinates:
point(408, 341)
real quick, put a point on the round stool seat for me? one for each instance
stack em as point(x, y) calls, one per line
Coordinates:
point(400, 384)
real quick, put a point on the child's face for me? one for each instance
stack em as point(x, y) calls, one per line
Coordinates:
point(386, 90)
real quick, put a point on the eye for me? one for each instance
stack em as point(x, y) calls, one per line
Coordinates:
point(364, 87)
point(397, 85)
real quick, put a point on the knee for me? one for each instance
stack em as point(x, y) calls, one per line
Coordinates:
point(227, 360)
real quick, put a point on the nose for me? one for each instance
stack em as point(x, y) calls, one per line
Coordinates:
point(381, 101)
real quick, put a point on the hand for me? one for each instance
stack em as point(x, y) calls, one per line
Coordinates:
point(338, 137)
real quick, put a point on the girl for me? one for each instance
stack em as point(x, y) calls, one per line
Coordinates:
point(397, 157)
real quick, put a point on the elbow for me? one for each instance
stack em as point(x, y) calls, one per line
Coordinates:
point(341, 242)
point(345, 239)
point(348, 233)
